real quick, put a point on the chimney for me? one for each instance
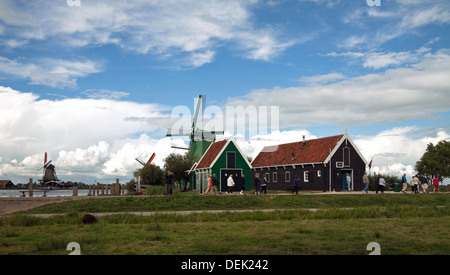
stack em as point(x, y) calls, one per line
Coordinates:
point(304, 140)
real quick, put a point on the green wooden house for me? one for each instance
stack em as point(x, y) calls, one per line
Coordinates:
point(222, 159)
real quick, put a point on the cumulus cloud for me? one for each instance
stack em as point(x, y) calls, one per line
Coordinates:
point(29, 123)
point(416, 92)
point(394, 151)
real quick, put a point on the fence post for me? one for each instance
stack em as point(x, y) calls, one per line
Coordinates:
point(30, 188)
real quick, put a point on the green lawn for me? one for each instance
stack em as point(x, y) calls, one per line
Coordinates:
point(401, 224)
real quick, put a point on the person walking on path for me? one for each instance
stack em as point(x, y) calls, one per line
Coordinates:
point(230, 184)
point(415, 185)
point(257, 185)
point(296, 184)
point(169, 182)
point(405, 183)
point(381, 184)
point(264, 185)
point(215, 182)
point(242, 181)
point(435, 184)
point(425, 183)
point(366, 183)
point(209, 185)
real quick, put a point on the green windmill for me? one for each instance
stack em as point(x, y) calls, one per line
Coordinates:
point(200, 140)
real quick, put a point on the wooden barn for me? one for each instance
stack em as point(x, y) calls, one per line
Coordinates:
point(6, 184)
point(222, 159)
point(320, 164)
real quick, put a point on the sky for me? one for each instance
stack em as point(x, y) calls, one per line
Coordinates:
point(97, 83)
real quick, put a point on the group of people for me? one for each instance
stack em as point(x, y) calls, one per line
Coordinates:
point(381, 184)
point(213, 183)
point(424, 181)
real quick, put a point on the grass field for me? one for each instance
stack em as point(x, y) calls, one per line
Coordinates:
point(401, 224)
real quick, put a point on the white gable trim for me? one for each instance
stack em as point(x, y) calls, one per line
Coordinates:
point(231, 139)
point(345, 138)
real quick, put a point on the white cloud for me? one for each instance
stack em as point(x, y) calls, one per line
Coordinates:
point(322, 79)
point(50, 72)
point(168, 29)
point(30, 125)
point(83, 137)
point(394, 152)
point(400, 94)
point(379, 60)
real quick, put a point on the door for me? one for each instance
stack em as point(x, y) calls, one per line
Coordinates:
point(224, 174)
point(347, 180)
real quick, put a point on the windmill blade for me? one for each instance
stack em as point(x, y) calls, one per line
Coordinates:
point(45, 165)
point(141, 162)
point(151, 159)
point(179, 147)
point(199, 108)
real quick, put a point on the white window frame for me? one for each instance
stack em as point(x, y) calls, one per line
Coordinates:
point(305, 176)
point(287, 176)
point(274, 176)
point(319, 173)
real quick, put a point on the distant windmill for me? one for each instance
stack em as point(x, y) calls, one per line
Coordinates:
point(148, 162)
point(49, 174)
point(200, 140)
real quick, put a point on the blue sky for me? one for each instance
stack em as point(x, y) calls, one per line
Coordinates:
point(72, 76)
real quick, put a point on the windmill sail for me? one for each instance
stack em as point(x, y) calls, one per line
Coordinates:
point(199, 138)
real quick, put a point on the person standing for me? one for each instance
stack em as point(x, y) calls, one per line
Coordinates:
point(296, 184)
point(257, 185)
point(264, 185)
point(381, 184)
point(230, 184)
point(242, 181)
point(169, 182)
point(215, 182)
point(349, 182)
point(435, 184)
point(366, 183)
point(209, 185)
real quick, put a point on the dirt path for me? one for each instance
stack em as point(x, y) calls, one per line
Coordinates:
point(9, 206)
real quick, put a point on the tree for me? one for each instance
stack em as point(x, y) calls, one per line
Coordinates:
point(436, 161)
point(178, 165)
point(150, 175)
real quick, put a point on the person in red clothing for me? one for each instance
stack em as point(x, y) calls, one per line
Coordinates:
point(435, 184)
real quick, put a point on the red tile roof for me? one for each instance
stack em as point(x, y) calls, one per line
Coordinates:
point(314, 151)
point(4, 182)
point(211, 154)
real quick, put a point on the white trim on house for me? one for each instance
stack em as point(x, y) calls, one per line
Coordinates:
point(345, 138)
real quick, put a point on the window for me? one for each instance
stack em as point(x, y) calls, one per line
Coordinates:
point(306, 176)
point(274, 175)
point(257, 175)
point(287, 177)
point(346, 156)
point(267, 177)
point(319, 173)
point(231, 159)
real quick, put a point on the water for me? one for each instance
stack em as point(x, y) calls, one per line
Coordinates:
point(36, 193)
